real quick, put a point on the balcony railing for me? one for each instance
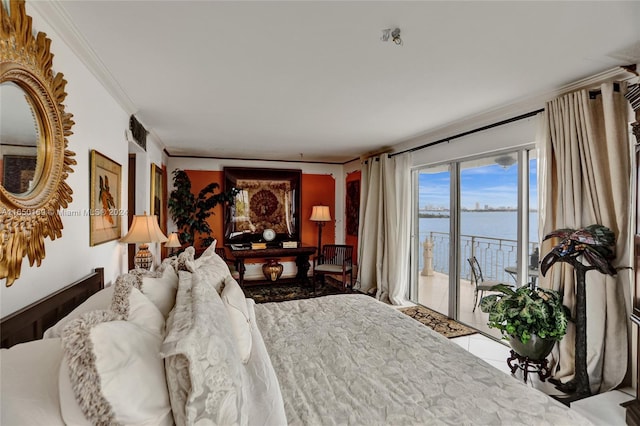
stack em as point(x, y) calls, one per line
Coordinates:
point(493, 254)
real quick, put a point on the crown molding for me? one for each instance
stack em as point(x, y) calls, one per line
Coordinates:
point(53, 12)
point(56, 16)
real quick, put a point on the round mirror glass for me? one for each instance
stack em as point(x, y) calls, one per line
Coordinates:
point(20, 136)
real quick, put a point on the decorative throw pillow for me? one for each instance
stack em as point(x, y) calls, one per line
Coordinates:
point(134, 306)
point(112, 373)
point(236, 304)
point(159, 287)
point(204, 372)
point(100, 300)
point(179, 322)
point(212, 267)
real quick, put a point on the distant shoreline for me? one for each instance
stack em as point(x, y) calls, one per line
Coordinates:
point(433, 213)
point(432, 216)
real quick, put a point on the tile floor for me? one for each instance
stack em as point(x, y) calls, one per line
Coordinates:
point(603, 409)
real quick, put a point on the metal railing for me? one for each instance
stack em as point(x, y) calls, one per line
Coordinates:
point(493, 254)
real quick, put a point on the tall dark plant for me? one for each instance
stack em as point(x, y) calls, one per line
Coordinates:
point(190, 212)
point(595, 244)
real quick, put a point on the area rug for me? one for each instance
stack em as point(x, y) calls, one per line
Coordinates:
point(283, 292)
point(438, 322)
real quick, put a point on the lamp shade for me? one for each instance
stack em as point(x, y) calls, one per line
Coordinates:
point(320, 214)
point(144, 229)
point(173, 241)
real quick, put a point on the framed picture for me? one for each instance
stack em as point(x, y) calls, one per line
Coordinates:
point(353, 207)
point(158, 196)
point(269, 199)
point(19, 172)
point(106, 212)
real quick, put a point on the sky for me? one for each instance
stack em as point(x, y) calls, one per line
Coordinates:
point(490, 185)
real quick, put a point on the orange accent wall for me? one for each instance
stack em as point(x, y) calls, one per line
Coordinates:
point(351, 240)
point(316, 190)
point(200, 179)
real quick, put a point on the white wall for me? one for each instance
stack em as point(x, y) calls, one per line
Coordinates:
point(100, 124)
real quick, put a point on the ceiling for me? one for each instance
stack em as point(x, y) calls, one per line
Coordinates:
point(312, 80)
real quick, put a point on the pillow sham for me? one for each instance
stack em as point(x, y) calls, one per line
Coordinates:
point(204, 373)
point(159, 287)
point(236, 304)
point(100, 300)
point(133, 306)
point(112, 373)
point(212, 267)
point(29, 383)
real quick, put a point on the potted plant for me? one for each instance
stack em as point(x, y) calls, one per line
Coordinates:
point(532, 320)
point(190, 212)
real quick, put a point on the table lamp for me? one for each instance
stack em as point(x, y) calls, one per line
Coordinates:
point(173, 243)
point(144, 230)
point(320, 215)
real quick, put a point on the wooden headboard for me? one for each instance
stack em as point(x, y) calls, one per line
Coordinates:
point(30, 323)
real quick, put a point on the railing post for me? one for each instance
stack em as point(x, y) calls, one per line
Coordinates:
point(473, 246)
point(427, 254)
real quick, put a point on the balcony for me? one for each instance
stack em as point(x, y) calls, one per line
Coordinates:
point(493, 254)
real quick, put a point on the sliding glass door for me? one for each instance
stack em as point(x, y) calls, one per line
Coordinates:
point(488, 229)
point(434, 221)
point(483, 208)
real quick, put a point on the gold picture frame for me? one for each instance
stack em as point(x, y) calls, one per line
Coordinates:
point(158, 196)
point(105, 212)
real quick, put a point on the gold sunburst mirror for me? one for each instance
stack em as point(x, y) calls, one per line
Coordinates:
point(34, 158)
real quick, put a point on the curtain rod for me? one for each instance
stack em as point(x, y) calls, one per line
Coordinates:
point(479, 129)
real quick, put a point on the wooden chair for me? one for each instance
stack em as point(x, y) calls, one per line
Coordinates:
point(335, 259)
point(481, 285)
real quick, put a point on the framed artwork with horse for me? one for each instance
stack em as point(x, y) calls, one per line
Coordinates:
point(105, 212)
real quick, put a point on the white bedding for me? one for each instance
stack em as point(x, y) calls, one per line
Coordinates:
point(348, 359)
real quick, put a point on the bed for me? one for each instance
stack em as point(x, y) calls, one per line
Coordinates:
point(205, 355)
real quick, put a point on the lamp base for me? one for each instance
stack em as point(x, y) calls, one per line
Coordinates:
point(143, 258)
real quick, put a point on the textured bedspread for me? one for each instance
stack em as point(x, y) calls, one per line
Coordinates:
point(348, 359)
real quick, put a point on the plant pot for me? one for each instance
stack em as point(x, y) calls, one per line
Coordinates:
point(535, 349)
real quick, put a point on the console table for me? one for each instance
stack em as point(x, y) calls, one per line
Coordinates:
point(301, 254)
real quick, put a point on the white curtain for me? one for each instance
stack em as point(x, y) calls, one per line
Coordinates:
point(586, 179)
point(383, 235)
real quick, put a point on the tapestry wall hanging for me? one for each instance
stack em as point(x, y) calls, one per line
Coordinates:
point(267, 199)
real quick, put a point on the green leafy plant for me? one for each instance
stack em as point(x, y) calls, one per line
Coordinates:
point(190, 212)
point(523, 312)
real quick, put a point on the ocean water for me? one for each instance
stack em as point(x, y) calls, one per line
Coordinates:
point(494, 244)
point(490, 224)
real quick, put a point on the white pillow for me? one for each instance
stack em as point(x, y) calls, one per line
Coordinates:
point(112, 373)
point(162, 291)
point(134, 306)
point(212, 267)
point(99, 300)
point(29, 383)
point(203, 369)
point(236, 304)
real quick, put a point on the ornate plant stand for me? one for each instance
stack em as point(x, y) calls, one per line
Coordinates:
point(528, 365)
